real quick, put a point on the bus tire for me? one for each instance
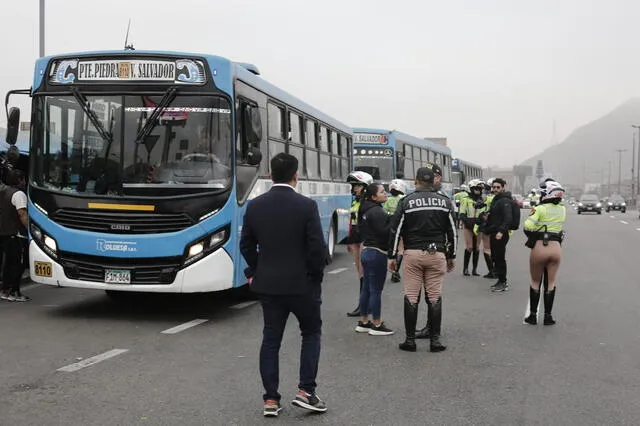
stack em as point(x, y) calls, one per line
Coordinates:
point(331, 241)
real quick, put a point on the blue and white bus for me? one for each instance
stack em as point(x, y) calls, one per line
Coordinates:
point(142, 163)
point(390, 154)
point(464, 171)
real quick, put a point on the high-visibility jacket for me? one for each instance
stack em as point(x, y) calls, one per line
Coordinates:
point(546, 218)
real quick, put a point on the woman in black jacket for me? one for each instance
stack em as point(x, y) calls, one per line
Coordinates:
point(374, 224)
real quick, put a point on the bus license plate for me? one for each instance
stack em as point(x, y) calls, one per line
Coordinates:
point(116, 276)
point(43, 269)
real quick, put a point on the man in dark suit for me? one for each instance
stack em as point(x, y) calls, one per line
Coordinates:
point(284, 247)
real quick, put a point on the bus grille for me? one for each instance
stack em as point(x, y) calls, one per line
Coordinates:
point(121, 222)
point(157, 270)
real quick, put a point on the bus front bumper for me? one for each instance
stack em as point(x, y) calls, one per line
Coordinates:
point(212, 273)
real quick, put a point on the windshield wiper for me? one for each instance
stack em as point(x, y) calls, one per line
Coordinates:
point(168, 97)
point(84, 103)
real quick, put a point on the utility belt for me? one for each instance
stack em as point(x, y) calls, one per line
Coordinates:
point(545, 237)
point(430, 248)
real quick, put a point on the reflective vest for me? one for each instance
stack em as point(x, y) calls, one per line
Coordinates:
point(391, 204)
point(468, 207)
point(546, 217)
point(355, 206)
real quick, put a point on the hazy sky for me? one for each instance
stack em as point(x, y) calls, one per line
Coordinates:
point(491, 75)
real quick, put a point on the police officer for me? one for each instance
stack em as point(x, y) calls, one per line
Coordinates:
point(459, 197)
point(469, 217)
point(424, 221)
point(545, 275)
point(482, 208)
point(359, 181)
point(13, 221)
point(545, 230)
point(397, 188)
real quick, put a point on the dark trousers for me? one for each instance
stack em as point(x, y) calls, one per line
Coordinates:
point(498, 255)
point(12, 266)
point(374, 266)
point(276, 310)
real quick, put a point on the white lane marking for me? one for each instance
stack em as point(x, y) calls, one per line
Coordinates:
point(612, 217)
point(637, 229)
point(183, 327)
point(337, 271)
point(624, 223)
point(93, 360)
point(243, 305)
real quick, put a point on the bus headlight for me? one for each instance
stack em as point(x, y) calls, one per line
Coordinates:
point(47, 243)
point(206, 245)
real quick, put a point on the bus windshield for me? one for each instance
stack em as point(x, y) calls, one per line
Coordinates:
point(108, 146)
point(379, 167)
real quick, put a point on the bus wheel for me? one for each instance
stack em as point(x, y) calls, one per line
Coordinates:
point(331, 241)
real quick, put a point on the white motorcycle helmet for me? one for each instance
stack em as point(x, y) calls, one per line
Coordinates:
point(359, 177)
point(553, 190)
point(398, 185)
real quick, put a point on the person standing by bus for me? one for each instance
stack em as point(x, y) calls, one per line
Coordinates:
point(482, 208)
point(424, 221)
point(469, 218)
point(373, 222)
point(359, 181)
point(459, 197)
point(397, 188)
point(545, 231)
point(13, 222)
point(283, 244)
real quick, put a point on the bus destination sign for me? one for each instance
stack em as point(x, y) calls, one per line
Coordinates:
point(370, 139)
point(180, 71)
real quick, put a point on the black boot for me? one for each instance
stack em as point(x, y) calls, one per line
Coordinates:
point(410, 320)
point(435, 320)
point(549, 296)
point(534, 299)
point(476, 258)
point(489, 262)
point(356, 311)
point(425, 333)
point(465, 268)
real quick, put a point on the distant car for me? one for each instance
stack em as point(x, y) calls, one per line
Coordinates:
point(589, 203)
point(616, 202)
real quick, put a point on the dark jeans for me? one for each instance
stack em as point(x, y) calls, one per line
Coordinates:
point(374, 265)
point(276, 310)
point(498, 255)
point(12, 266)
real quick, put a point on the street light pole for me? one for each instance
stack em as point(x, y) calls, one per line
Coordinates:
point(41, 28)
point(637, 177)
point(620, 151)
point(633, 160)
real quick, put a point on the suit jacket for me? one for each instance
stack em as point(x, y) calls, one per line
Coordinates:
point(282, 242)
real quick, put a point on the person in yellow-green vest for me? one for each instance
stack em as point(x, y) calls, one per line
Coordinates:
point(545, 231)
point(458, 197)
point(398, 189)
point(483, 208)
point(469, 218)
point(359, 180)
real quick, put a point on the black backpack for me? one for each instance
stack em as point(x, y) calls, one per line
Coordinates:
point(515, 215)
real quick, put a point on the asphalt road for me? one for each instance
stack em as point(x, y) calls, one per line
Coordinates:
point(497, 371)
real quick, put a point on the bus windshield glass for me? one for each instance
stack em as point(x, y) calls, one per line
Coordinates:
point(108, 146)
point(377, 162)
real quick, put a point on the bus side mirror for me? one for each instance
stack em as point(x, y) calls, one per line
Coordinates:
point(399, 165)
point(13, 124)
point(254, 156)
point(252, 124)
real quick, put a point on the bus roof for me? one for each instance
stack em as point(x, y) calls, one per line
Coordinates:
point(467, 163)
point(240, 70)
point(404, 137)
point(256, 81)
